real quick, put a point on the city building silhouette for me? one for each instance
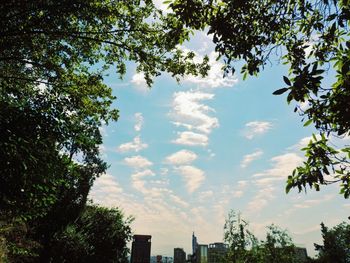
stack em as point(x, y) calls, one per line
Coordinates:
point(141, 249)
point(179, 255)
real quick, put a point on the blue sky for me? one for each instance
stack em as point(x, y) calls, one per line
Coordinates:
point(182, 155)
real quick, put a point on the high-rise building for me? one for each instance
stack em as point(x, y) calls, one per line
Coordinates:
point(179, 255)
point(141, 249)
point(217, 252)
point(202, 254)
point(194, 244)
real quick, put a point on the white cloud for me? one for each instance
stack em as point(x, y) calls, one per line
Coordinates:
point(283, 165)
point(192, 176)
point(303, 143)
point(139, 121)
point(247, 159)
point(256, 128)
point(106, 185)
point(137, 162)
point(313, 202)
point(181, 157)
point(215, 78)
point(136, 145)
point(191, 139)
point(138, 79)
point(189, 112)
point(138, 180)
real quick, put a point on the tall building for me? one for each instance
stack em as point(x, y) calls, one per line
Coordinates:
point(202, 254)
point(194, 244)
point(217, 252)
point(141, 249)
point(179, 255)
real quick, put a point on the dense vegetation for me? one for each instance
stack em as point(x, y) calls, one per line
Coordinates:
point(53, 55)
point(279, 247)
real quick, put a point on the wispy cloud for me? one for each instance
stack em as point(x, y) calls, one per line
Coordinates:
point(106, 185)
point(135, 146)
point(192, 176)
point(137, 162)
point(138, 181)
point(255, 128)
point(181, 157)
point(261, 199)
point(283, 165)
point(247, 159)
point(179, 200)
point(191, 139)
point(313, 202)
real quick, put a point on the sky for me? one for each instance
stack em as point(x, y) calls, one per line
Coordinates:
point(182, 155)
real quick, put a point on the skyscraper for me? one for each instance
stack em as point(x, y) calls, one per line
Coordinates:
point(194, 244)
point(141, 249)
point(179, 255)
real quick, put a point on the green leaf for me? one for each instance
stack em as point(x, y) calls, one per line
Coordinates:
point(308, 123)
point(280, 91)
point(287, 81)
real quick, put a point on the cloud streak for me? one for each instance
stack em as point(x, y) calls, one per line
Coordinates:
point(247, 159)
point(135, 146)
point(255, 128)
point(137, 162)
point(192, 176)
point(191, 139)
point(181, 157)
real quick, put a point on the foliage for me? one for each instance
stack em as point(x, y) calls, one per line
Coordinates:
point(336, 244)
point(240, 240)
point(15, 245)
point(278, 246)
point(98, 235)
point(53, 102)
point(245, 247)
point(312, 37)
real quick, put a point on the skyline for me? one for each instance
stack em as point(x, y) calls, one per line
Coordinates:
point(183, 155)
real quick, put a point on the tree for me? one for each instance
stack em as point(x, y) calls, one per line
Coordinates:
point(336, 244)
point(98, 235)
point(53, 99)
point(243, 246)
point(312, 37)
point(278, 246)
point(54, 55)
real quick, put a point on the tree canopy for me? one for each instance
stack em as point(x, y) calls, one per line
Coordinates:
point(312, 38)
point(336, 244)
point(53, 102)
